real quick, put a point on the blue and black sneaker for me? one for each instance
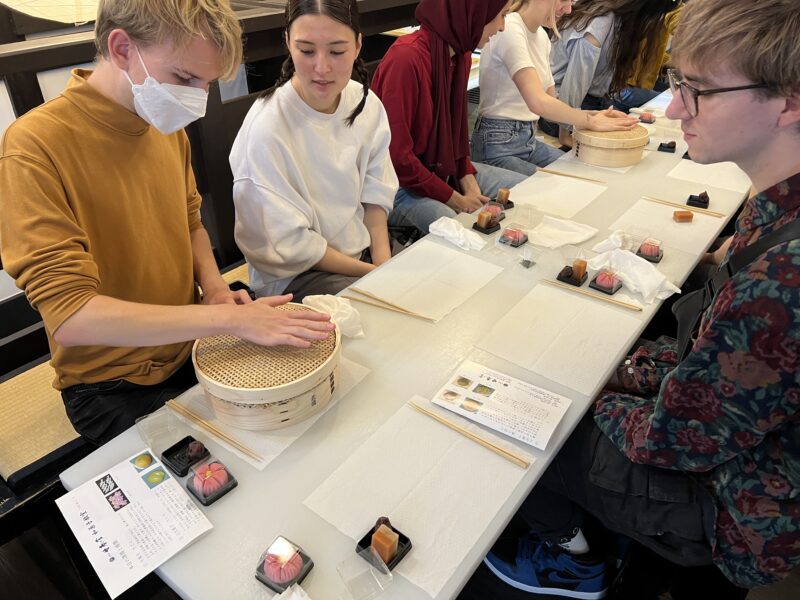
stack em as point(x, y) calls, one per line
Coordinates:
point(547, 569)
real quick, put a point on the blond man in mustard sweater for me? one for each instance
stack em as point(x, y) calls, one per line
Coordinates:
point(100, 216)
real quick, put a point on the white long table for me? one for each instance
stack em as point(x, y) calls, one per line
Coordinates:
point(406, 356)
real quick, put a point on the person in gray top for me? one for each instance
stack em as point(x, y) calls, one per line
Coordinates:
point(600, 44)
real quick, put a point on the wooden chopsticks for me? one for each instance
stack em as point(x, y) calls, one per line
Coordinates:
point(200, 421)
point(578, 290)
point(702, 211)
point(380, 302)
point(562, 174)
point(516, 459)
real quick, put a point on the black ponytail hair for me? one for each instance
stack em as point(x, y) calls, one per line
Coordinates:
point(344, 11)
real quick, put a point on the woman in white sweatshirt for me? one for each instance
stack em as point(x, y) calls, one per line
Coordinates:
point(313, 180)
point(517, 87)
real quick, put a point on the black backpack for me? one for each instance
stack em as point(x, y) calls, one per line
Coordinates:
point(689, 310)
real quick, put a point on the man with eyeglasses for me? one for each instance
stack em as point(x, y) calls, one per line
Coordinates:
point(693, 449)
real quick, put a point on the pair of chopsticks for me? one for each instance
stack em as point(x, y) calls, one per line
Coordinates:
point(702, 211)
point(562, 174)
point(201, 422)
point(515, 458)
point(577, 290)
point(374, 300)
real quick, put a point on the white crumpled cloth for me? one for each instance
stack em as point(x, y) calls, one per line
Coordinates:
point(554, 233)
point(347, 318)
point(637, 274)
point(618, 239)
point(455, 233)
point(293, 592)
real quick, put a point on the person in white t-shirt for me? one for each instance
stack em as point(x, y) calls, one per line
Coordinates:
point(313, 180)
point(517, 87)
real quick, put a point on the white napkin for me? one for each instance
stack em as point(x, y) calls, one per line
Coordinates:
point(554, 233)
point(618, 239)
point(637, 274)
point(293, 592)
point(455, 233)
point(347, 318)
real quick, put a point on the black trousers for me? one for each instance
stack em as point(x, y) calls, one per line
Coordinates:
point(101, 411)
point(669, 512)
point(666, 511)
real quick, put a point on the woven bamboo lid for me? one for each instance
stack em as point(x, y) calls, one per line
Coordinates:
point(236, 369)
point(633, 138)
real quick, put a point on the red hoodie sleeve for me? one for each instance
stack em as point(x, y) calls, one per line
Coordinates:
point(401, 84)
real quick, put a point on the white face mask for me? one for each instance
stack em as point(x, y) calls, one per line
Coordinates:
point(167, 107)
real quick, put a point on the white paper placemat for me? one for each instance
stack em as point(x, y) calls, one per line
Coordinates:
point(555, 194)
point(562, 336)
point(429, 279)
point(656, 219)
point(63, 11)
point(725, 175)
point(418, 472)
point(269, 444)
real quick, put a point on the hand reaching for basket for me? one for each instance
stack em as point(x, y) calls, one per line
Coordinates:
point(266, 325)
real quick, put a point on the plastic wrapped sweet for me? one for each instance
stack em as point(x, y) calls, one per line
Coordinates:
point(504, 198)
point(700, 200)
point(389, 543)
point(667, 147)
point(650, 249)
point(513, 236)
point(210, 478)
point(209, 481)
point(183, 454)
point(606, 282)
point(283, 564)
point(385, 542)
point(487, 221)
point(647, 117)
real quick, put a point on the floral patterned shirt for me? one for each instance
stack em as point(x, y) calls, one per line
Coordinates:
point(730, 411)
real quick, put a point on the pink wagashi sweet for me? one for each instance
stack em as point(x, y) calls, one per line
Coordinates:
point(650, 248)
point(607, 279)
point(281, 569)
point(493, 209)
point(210, 478)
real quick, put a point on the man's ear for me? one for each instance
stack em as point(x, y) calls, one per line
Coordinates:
point(120, 48)
point(790, 115)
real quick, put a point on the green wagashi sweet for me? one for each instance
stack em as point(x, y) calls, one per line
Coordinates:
point(155, 476)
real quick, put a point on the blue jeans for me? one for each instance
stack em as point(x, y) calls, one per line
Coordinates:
point(411, 209)
point(510, 145)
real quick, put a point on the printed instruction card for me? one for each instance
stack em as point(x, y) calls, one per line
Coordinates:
point(521, 410)
point(131, 519)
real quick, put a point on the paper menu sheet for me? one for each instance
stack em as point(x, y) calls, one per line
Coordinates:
point(567, 338)
point(511, 406)
point(431, 473)
point(656, 219)
point(725, 175)
point(429, 279)
point(131, 519)
point(555, 194)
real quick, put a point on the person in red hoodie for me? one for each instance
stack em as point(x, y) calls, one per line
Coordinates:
point(422, 82)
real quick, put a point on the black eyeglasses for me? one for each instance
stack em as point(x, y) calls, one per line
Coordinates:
point(690, 94)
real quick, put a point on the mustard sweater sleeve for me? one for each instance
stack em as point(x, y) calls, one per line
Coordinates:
point(42, 246)
point(194, 199)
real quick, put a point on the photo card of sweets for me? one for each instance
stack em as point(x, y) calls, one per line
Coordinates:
point(511, 406)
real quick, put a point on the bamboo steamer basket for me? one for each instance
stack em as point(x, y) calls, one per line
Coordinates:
point(611, 148)
point(261, 388)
